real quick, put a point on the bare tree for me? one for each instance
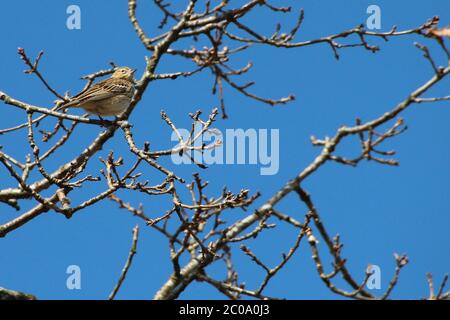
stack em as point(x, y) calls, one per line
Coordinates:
point(202, 232)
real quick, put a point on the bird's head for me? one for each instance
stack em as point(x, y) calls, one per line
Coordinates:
point(124, 73)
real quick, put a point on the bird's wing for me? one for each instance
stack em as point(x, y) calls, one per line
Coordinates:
point(100, 91)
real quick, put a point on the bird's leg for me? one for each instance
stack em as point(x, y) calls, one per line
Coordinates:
point(105, 122)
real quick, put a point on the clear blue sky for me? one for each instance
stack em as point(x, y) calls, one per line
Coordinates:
point(377, 210)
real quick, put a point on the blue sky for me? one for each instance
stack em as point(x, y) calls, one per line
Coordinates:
point(377, 210)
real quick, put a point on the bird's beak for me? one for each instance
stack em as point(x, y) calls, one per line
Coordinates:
point(133, 71)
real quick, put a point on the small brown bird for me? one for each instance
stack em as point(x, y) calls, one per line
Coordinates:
point(109, 97)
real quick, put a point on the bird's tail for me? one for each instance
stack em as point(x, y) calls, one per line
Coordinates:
point(69, 104)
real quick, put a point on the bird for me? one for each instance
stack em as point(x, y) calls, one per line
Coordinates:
point(110, 97)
